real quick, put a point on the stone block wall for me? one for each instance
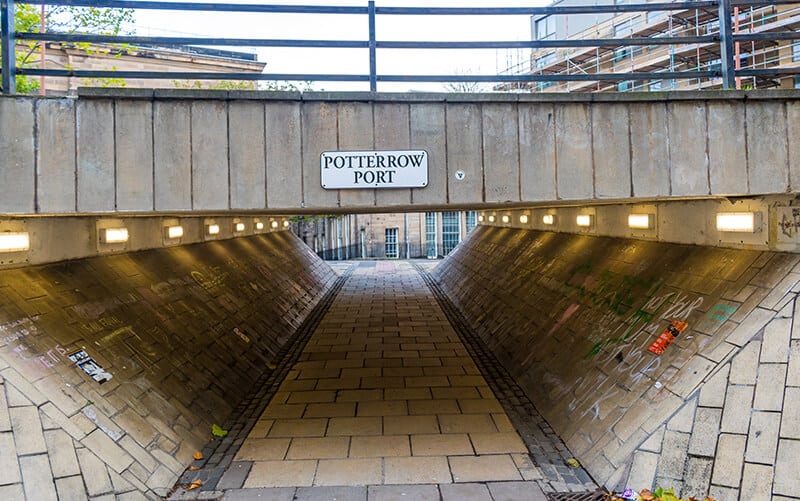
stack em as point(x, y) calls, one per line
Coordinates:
point(182, 332)
point(572, 317)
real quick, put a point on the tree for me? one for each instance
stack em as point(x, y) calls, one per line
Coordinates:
point(464, 86)
point(63, 19)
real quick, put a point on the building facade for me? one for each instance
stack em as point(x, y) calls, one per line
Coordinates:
point(660, 58)
point(415, 235)
point(71, 56)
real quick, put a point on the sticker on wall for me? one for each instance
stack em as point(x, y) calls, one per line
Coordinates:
point(90, 367)
point(667, 337)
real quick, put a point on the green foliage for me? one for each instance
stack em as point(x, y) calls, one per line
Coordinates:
point(67, 19)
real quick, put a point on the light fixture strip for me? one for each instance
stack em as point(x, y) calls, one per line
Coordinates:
point(548, 219)
point(584, 220)
point(212, 229)
point(14, 242)
point(115, 235)
point(641, 221)
point(737, 222)
point(174, 232)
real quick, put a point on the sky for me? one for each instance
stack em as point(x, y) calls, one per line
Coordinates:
point(355, 27)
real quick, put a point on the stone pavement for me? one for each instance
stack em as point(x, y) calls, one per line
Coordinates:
point(385, 402)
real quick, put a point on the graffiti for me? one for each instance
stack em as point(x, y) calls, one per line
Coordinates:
point(18, 329)
point(617, 292)
point(93, 310)
point(790, 226)
point(211, 279)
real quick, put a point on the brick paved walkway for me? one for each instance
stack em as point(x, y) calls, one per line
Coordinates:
point(385, 402)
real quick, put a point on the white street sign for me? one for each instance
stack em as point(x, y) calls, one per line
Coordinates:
point(341, 170)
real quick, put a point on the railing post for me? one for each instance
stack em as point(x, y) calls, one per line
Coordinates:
point(726, 45)
point(8, 52)
point(373, 66)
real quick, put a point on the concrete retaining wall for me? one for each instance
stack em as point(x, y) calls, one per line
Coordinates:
point(145, 151)
point(183, 332)
point(572, 317)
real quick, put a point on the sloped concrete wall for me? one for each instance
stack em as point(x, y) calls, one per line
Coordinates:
point(183, 332)
point(572, 317)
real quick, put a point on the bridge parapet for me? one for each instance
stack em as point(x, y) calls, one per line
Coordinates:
point(175, 151)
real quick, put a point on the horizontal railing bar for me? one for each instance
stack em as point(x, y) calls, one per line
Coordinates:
point(578, 77)
point(762, 3)
point(158, 40)
point(565, 10)
point(786, 35)
point(768, 72)
point(365, 78)
point(188, 75)
point(544, 44)
point(257, 42)
point(406, 11)
point(203, 6)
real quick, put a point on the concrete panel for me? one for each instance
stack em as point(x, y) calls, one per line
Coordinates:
point(247, 155)
point(172, 155)
point(464, 134)
point(574, 152)
point(501, 152)
point(95, 137)
point(767, 152)
point(134, 155)
point(210, 175)
point(284, 155)
point(649, 149)
point(793, 131)
point(17, 170)
point(319, 134)
point(392, 132)
point(687, 149)
point(428, 133)
point(56, 164)
point(355, 133)
point(612, 151)
point(537, 152)
point(726, 148)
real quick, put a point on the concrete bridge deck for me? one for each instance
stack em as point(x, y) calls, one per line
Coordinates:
point(158, 152)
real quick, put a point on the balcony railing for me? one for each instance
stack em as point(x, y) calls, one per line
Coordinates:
point(723, 40)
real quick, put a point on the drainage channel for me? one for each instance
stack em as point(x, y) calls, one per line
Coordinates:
point(218, 454)
point(562, 482)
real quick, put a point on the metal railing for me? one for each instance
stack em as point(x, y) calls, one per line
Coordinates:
point(724, 40)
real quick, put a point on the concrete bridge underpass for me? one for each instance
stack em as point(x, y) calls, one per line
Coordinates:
point(562, 346)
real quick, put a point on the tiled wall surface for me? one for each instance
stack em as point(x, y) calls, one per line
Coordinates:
point(572, 316)
point(183, 332)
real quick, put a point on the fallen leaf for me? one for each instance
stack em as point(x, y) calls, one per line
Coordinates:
point(194, 485)
point(573, 462)
point(193, 468)
point(217, 431)
point(198, 455)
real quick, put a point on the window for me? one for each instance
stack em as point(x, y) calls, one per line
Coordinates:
point(391, 243)
point(546, 60)
point(796, 51)
point(472, 220)
point(655, 85)
point(625, 86)
point(797, 82)
point(451, 231)
point(655, 16)
point(545, 28)
point(430, 235)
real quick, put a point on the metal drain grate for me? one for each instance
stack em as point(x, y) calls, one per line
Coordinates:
point(576, 496)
